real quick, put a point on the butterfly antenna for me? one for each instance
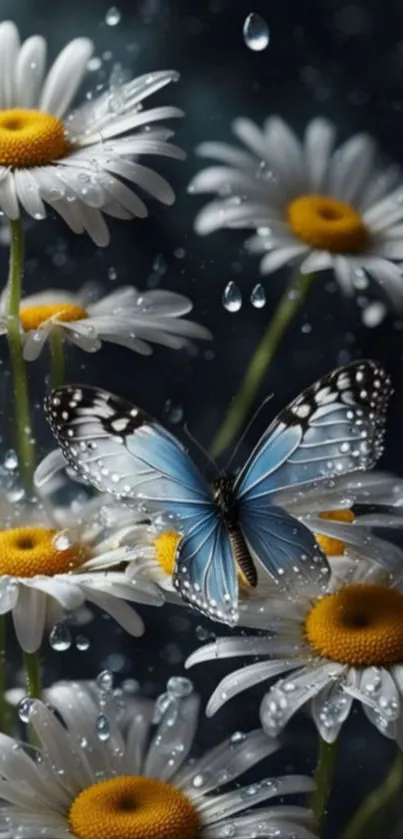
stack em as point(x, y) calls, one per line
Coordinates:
point(199, 446)
point(248, 427)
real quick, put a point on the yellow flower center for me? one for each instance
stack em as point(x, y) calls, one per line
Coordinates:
point(32, 317)
point(31, 138)
point(27, 551)
point(327, 225)
point(165, 550)
point(334, 547)
point(133, 808)
point(361, 625)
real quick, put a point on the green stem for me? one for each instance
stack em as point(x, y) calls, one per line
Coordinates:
point(33, 675)
point(323, 783)
point(5, 710)
point(362, 823)
point(260, 362)
point(56, 358)
point(24, 443)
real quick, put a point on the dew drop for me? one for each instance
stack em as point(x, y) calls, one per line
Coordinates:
point(232, 298)
point(82, 643)
point(60, 638)
point(179, 686)
point(258, 296)
point(256, 32)
point(11, 460)
point(102, 728)
point(62, 542)
point(25, 707)
point(105, 681)
point(113, 16)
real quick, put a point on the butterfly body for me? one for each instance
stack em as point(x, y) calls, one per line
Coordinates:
point(334, 427)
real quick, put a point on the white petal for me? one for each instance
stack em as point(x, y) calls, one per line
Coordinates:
point(138, 734)
point(343, 270)
point(29, 194)
point(351, 168)
point(220, 807)
point(288, 695)
point(388, 275)
point(173, 739)
point(9, 47)
point(65, 76)
point(330, 709)
point(8, 594)
point(8, 197)
point(48, 467)
point(284, 153)
point(67, 593)
point(29, 72)
point(124, 615)
point(35, 340)
point(144, 177)
point(226, 181)
point(59, 749)
point(247, 677)
point(227, 154)
point(29, 618)
point(319, 139)
point(316, 261)
point(251, 135)
point(279, 257)
point(94, 223)
point(130, 122)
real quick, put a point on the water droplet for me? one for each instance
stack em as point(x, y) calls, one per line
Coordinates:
point(373, 314)
point(112, 273)
point(82, 643)
point(232, 298)
point(25, 707)
point(60, 638)
point(11, 460)
point(105, 681)
point(113, 16)
point(256, 32)
point(179, 686)
point(258, 296)
point(61, 541)
point(102, 728)
point(174, 413)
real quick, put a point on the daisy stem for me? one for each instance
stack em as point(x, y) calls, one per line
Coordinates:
point(260, 362)
point(24, 443)
point(33, 675)
point(363, 823)
point(323, 781)
point(56, 358)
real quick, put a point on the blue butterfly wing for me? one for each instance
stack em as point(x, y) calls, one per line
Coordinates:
point(335, 426)
point(205, 572)
point(120, 450)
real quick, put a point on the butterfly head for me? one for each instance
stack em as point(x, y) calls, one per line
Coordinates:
point(225, 499)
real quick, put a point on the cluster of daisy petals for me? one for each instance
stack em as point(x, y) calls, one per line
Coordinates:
point(110, 762)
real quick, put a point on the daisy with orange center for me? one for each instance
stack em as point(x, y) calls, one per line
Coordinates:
point(76, 162)
point(309, 206)
point(126, 787)
point(334, 647)
point(126, 317)
point(47, 554)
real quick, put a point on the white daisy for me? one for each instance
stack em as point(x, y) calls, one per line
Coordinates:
point(126, 317)
point(343, 645)
point(136, 783)
point(76, 163)
point(343, 513)
point(310, 206)
point(45, 565)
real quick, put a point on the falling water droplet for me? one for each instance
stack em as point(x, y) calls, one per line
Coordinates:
point(258, 296)
point(102, 728)
point(232, 297)
point(25, 707)
point(256, 32)
point(113, 16)
point(11, 460)
point(82, 643)
point(60, 638)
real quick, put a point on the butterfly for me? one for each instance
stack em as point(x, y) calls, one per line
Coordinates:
point(335, 426)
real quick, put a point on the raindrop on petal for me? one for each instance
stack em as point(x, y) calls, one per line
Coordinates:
point(232, 297)
point(60, 638)
point(102, 728)
point(256, 32)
